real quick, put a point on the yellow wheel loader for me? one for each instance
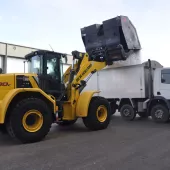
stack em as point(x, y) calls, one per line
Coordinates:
point(30, 103)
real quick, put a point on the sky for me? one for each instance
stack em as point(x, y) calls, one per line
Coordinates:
point(38, 23)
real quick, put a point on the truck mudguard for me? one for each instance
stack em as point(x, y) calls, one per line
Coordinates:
point(159, 98)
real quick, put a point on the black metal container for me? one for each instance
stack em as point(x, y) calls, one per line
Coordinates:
point(110, 41)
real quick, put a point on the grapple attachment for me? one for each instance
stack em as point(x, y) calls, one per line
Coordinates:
point(113, 40)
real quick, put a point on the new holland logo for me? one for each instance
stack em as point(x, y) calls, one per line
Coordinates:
point(4, 84)
point(83, 73)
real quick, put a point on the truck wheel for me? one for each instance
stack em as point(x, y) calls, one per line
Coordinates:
point(99, 114)
point(66, 122)
point(160, 113)
point(143, 114)
point(127, 112)
point(30, 121)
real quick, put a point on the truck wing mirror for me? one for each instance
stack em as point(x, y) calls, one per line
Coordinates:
point(162, 80)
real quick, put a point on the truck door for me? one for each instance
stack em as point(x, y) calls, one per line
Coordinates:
point(164, 83)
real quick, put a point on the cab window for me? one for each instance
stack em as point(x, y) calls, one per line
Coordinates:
point(165, 76)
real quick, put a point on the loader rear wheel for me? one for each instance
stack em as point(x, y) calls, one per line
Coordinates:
point(127, 112)
point(3, 129)
point(99, 114)
point(30, 121)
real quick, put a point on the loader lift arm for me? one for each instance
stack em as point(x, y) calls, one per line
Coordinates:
point(86, 69)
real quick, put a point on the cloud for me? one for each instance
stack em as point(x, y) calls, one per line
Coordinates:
point(58, 22)
point(14, 18)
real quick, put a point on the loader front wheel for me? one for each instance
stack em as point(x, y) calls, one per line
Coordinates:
point(99, 114)
point(30, 121)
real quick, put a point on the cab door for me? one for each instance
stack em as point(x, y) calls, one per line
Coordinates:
point(165, 83)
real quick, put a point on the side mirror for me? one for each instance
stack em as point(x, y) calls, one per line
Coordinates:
point(1, 71)
point(65, 57)
point(162, 80)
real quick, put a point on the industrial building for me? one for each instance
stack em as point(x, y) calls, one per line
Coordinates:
point(12, 58)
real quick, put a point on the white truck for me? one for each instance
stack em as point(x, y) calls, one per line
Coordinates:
point(142, 89)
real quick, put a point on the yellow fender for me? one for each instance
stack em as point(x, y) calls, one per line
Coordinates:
point(12, 93)
point(83, 103)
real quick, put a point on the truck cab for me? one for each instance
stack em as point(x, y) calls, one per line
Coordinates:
point(162, 82)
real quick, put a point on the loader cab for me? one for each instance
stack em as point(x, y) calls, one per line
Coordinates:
point(49, 68)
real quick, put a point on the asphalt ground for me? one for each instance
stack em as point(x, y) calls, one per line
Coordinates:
point(137, 145)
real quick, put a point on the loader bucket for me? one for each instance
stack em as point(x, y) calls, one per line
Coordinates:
point(113, 40)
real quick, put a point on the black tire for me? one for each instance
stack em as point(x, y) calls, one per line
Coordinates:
point(16, 128)
point(92, 121)
point(127, 112)
point(66, 122)
point(159, 110)
point(113, 108)
point(143, 114)
point(3, 129)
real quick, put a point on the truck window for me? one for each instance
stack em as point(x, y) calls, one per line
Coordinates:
point(165, 76)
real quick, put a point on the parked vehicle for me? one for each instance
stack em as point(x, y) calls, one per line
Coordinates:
point(142, 89)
